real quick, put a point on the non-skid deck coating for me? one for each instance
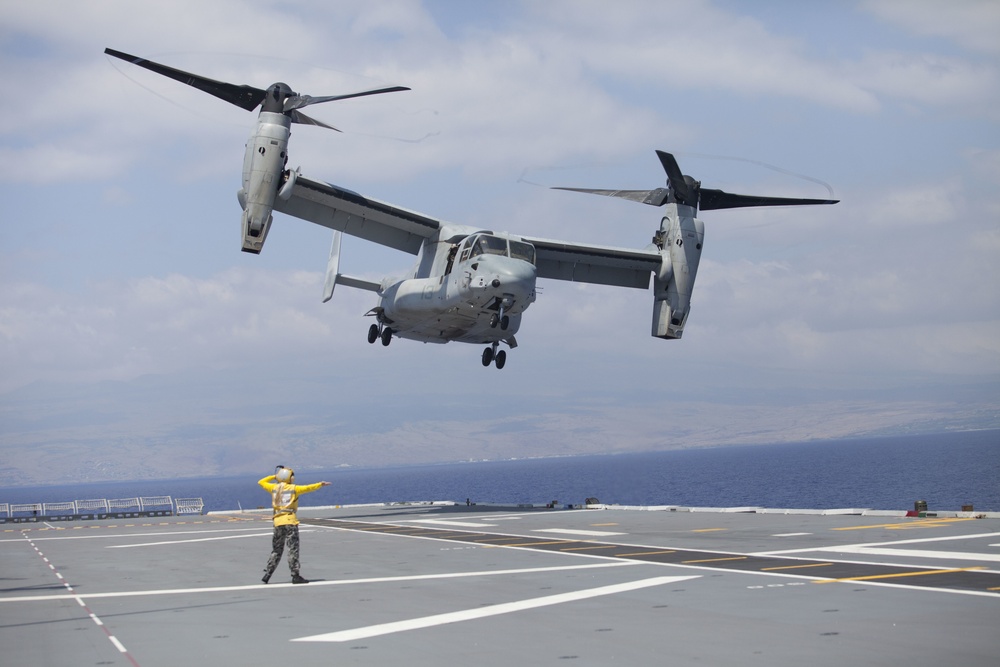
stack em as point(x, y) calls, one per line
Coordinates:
point(974, 578)
point(492, 586)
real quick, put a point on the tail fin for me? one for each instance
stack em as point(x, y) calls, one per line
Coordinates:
point(334, 277)
point(332, 267)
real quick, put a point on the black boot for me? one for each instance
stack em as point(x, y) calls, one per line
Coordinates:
point(267, 577)
point(298, 579)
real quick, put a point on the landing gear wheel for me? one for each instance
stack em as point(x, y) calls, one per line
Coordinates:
point(487, 356)
point(373, 333)
point(494, 321)
point(504, 322)
point(501, 359)
point(386, 336)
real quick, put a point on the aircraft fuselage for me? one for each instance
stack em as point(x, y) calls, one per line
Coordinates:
point(472, 289)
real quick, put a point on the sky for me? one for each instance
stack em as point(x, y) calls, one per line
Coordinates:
point(137, 341)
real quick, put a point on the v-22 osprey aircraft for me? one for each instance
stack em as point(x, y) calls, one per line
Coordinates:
point(468, 284)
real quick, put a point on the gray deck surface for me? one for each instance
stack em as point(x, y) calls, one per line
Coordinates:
point(400, 585)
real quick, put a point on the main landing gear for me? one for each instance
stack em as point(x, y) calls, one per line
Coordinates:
point(376, 332)
point(491, 355)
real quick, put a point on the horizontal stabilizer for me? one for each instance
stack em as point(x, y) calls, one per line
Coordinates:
point(358, 283)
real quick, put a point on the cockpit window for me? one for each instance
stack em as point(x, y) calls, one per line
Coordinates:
point(486, 244)
point(490, 245)
point(525, 251)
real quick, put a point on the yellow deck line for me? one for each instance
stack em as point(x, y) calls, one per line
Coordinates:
point(646, 553)
point(794, 567)
point(714, 560)
point(497, 539)
point(600, 546)
point(921, 523)
point(918, 573)
point(528, 544)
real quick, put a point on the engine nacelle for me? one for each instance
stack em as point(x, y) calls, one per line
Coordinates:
point(255, 232)
point(683, 236)
point(263, 164)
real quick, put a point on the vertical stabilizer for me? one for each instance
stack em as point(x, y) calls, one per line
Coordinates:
point(332, 268)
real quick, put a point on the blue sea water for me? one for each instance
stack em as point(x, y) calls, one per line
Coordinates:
point(947, 470)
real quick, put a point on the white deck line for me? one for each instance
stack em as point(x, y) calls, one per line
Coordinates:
point(486, 612)
point(313, 584)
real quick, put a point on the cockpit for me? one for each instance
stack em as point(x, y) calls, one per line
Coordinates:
point(487, 244)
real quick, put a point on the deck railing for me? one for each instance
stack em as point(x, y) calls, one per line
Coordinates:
point(100, 508)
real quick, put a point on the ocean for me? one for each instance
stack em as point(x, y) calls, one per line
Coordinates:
point(946, 470)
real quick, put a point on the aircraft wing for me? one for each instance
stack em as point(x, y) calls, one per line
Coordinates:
point(351, 213)
point(346, 211)
point(602, 265)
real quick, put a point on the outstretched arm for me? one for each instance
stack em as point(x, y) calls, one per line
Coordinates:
point(308, 488)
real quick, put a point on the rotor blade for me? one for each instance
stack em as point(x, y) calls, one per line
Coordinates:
point(300, 101)
point(656, 197)
point(245, 97)
point(716, 199)
point(677, 182)
point(301, 118)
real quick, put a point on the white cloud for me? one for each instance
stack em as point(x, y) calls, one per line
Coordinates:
point(985, 164)
point(915, 206)
point(119, 192)
point(973, 24)
point(122, 330)
point(932, 80)
point(730, 52)
point(395, 18)
point(49, 163)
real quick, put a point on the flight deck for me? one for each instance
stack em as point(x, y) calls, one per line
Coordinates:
point(431, 584)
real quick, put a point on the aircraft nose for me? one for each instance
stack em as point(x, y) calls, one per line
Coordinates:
point(516, 276)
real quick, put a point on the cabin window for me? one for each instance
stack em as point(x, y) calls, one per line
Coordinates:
point(520, 250)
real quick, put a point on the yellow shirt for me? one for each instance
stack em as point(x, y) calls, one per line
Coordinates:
point(285, 498)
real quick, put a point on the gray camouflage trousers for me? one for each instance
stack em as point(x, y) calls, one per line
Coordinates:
point(288, 534)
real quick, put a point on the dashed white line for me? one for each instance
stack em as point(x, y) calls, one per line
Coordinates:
point(79, 600)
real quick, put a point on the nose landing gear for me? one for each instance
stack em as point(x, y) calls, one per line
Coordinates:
point(491, 355)
point(501, 319)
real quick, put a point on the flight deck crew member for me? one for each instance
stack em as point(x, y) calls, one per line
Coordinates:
point(285, 501)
